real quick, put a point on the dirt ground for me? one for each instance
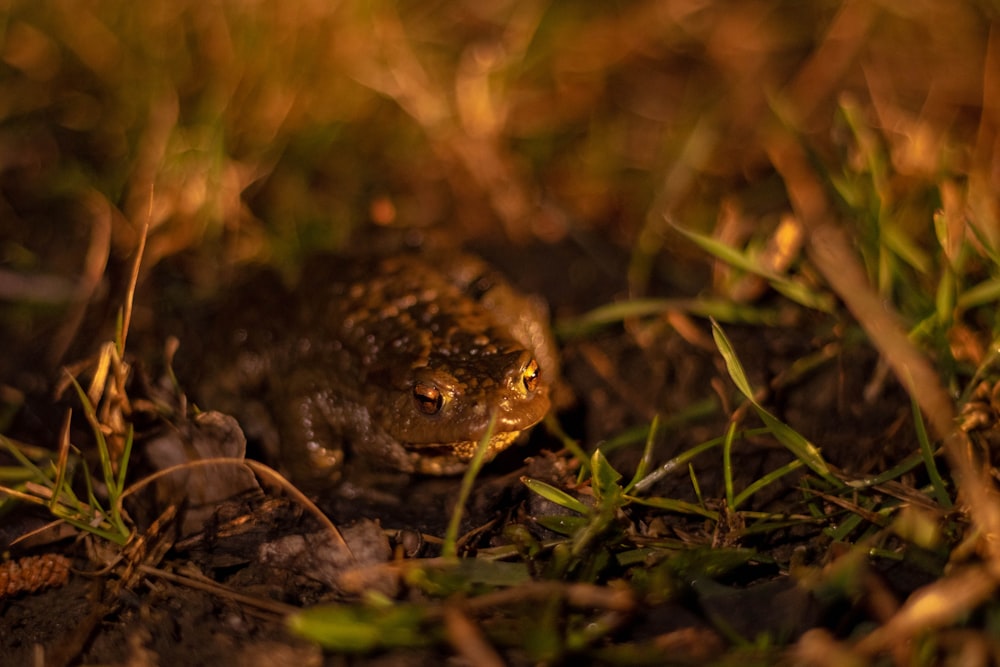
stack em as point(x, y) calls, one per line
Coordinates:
point(177, 595)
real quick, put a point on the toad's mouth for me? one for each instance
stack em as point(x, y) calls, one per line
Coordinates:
point(454, 457)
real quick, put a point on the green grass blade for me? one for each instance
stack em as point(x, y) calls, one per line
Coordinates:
point(557, 496)
point(787, 436)
point(647, 454)
point(796, 291)
point(353, 629)
point(605, 478)
point(727, 463)
point(103, 452)
point(696, 486)
point(984, 293)
point(927, 454)
point(678, 506)
point(555, 428)
point(37, 473)
point(765, 480)
point(984, 241)
point(449, 548)
point(613, 313)
point(119, 482)
point(682, 459)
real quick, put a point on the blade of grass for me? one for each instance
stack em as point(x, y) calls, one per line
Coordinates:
point(557, 496)
point(37, 473)
point(765, 480)
point(64, 505)
point(612, 313)
point(123, 464)
point(696, 486)
point(984, 241)
point(91, 415)
point(840, 531)
point(984, 293)
point(927, 453)
point(563, 525)
point(358, 629)
point(15, 474)
point(678, 506)
point(100, 378)
point(796, 291)
point(104, 454)
point(553, 426)
point(704, 408)
point(125, 314)
point(62, 462)
point(605, 479)
point(902, 245)
point(790, 438)
point(727, 463)
point(901, 468)
point(684, 457)
point(647, 454)
point(945, 298)
point(767, 525)
point(449, 548)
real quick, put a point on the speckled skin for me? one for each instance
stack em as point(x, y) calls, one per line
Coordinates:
point(403, 359)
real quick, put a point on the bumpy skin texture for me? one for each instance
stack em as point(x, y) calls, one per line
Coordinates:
point(403, 359)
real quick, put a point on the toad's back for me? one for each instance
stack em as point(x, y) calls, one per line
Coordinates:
point(405, 359)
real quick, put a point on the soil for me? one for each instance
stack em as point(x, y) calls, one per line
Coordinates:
point(216, 591)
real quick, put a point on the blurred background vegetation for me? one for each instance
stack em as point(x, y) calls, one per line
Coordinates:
point(259, 129)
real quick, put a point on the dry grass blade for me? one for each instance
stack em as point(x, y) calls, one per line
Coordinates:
point(818, 647)
point(99, 211)
point(576, 594)
point(272, 606)
point(126, 320)
point(259, 469)
point(933, 606)
point(467, 639)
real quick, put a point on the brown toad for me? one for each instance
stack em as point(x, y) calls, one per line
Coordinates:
point(404, 360)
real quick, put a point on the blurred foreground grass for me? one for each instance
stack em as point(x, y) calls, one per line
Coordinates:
point(261, 130)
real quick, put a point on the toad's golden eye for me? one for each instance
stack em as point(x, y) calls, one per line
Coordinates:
point(428, 398)
point(530, 376)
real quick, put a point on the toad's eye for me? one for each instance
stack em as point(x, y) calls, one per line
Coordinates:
point(530, 376)
point(428, 398)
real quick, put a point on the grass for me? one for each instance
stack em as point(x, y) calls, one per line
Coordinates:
point(821, 168)
point(48, 479)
